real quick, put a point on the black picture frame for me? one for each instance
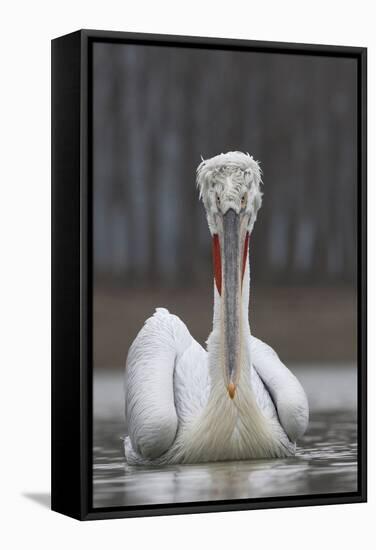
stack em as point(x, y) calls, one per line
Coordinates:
point(72, 274)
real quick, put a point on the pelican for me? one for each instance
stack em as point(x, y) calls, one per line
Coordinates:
point(236, 400)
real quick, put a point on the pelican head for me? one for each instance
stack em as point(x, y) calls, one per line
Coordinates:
point(229, 186)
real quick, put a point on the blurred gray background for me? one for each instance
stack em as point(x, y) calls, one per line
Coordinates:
point(156, 110)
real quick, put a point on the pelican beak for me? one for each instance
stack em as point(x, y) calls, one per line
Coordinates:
point(235, 248)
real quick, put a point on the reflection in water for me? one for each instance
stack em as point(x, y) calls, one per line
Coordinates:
point(326, 462)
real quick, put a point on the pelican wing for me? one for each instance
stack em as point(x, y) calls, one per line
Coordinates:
point(286, 391)
point(151, 416)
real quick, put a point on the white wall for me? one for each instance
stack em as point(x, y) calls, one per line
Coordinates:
point(26, 30)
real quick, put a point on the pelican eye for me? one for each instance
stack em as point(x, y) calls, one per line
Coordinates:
point(244, 200)
point(218, 200)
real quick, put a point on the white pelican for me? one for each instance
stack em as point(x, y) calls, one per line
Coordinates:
point(236, 400)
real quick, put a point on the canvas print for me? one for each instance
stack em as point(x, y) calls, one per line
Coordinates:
point(224, 275)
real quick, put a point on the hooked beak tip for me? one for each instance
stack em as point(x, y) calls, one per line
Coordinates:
point(231, 390)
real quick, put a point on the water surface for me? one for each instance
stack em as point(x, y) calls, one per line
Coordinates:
point(326, 459)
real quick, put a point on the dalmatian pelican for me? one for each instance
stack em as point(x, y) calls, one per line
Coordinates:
point(236, 400)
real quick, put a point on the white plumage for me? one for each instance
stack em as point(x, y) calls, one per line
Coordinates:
point(236, 400)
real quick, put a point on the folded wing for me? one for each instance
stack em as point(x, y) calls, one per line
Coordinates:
point(151, 417)
point(286, 391)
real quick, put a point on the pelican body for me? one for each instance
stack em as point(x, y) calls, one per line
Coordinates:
point(236, 400)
